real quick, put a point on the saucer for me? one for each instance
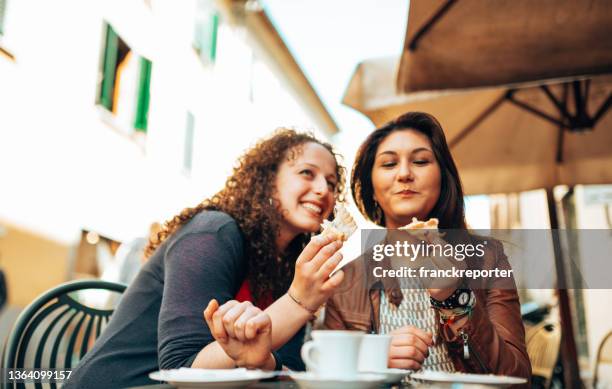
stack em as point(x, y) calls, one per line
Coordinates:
point(392, 376)
point(311, 380)
point(499, 381)
point(210, 378)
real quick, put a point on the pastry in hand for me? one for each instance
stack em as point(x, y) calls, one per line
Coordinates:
point(343, 225)
point(431, 224)
point(420, 229)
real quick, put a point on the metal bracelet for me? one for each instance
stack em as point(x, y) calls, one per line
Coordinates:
point(298, 302)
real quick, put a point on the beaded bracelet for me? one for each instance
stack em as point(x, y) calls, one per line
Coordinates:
point(449, 316)
point(449, 319)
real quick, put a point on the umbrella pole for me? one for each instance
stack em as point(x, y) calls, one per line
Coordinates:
point(569, 354)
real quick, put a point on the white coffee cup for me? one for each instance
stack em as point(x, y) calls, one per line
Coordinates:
point(333, 353)
point(374, 353)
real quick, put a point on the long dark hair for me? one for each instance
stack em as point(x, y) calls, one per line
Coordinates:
point(246, 197)
point(449, 208)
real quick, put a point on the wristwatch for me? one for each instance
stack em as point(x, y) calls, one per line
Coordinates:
point(461, 298)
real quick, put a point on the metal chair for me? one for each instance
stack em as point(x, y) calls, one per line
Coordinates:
point(58, 328)
point(604, 355)
point(3, 290)
point(543, 342)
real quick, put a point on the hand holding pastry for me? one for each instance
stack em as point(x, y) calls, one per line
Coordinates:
point(312, 285)
point(427, 232)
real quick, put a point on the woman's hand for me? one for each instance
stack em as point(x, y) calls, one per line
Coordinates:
point(440, 288)
point(416, 259)
point(409, 348)
point(243, 331)
point(311, 284)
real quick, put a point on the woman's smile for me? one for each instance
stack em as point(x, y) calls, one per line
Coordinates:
point(315, 209)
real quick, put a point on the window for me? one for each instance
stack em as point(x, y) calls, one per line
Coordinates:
point(205, 31)
point(2, 13)
point(188, 146)
point(125, 82)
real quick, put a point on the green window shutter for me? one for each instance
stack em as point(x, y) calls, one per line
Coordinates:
point(205, 38)
point(142, 105)
point(214, 25)
point(2, 13)
point(109, 66)
point(188, 147)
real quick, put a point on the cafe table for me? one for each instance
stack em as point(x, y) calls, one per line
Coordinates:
point(281, 384)
point(283, 381)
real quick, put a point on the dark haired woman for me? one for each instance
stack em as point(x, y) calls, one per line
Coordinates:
point(239, 248)
point(404, 170)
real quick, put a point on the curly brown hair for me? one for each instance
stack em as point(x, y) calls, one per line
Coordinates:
point(246, 197)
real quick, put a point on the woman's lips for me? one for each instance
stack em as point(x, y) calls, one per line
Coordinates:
point(407, 192)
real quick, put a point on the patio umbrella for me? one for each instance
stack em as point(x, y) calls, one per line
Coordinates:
point(456, 44)
point(509, 138)
point(521, 88)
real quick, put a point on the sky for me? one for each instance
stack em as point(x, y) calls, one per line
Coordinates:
point(330, 37)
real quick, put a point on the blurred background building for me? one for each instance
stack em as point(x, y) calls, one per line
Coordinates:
point(116, 114)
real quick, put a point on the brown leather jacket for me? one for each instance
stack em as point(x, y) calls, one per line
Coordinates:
point(496, 335)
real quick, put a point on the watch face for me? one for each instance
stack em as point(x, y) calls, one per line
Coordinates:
point(463, 298)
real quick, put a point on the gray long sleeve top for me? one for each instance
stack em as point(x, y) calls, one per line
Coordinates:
point(159, 322)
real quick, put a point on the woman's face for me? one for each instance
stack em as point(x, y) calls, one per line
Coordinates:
point(405, 177)
point(305, 188)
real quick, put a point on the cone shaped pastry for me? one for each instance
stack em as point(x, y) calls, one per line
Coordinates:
point(343, 224)
point(419, 228)
point(431, 224)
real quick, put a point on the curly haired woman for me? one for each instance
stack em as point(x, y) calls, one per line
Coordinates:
point(248, 247)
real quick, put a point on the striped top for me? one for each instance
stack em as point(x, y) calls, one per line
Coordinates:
point(415, 310)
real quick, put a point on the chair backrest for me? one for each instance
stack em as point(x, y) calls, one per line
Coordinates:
point(3, 290)
point(543, 342)
point(604, 356)
point(60, 326)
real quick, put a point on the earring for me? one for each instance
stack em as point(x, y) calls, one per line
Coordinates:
point(378, 214)
point(270, 200)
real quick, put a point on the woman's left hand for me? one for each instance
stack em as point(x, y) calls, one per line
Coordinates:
point(243, 331)
point(409, 348)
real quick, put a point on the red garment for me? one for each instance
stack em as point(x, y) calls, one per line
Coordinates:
point(244, 294)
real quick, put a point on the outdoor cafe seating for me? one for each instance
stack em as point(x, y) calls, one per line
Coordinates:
point(60, 326)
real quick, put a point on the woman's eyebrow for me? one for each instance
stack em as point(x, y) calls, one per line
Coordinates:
point(314, 166)
point(386, 152)
point(421, 149)
point(394, 153)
